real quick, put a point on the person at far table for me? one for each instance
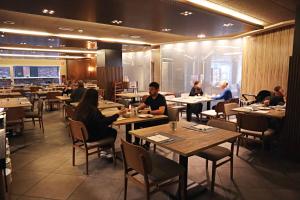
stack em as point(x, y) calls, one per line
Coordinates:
point(96, 123)
point(277, 98)
point(158, 106)
point(78, 92)
point(226, 92)
point(196, 91)
point(68, 88)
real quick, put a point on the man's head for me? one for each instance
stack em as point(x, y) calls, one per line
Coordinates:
point(197, 84)
point(279, 91)
point(153, 88)
point(223, 85)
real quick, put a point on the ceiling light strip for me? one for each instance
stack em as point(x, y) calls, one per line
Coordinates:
point(227, 11)
point(39, 56)
point(69, 36)
point(47, 50)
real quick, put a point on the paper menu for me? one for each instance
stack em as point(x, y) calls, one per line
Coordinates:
point(158, 138)
point(202, 127)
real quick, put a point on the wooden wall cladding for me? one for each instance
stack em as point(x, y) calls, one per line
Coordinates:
point(106, 76)
point(78, 69)
point(291, 132)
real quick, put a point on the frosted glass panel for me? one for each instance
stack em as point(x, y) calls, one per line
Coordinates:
point(137, 67)
point(209, 62)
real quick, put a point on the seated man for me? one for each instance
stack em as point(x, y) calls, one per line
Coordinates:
point(158, 106)
point(78, 92)
point(226, 92)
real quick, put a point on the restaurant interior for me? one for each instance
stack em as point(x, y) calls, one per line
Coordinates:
point(149, 99)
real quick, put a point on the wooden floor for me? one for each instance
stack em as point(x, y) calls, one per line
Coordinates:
point(43, 170)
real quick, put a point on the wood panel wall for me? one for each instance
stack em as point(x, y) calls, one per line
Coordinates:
point(77, 69)
point(266, 60)
point(106, 76)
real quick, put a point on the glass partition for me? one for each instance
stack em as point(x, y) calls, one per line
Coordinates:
point(207, 61)
point(4, 72)
point(137, 67)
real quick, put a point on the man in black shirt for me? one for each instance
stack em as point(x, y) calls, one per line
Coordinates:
point(158, 106)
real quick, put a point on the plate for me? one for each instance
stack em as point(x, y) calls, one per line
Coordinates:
point(264, 108)
point(145, 116)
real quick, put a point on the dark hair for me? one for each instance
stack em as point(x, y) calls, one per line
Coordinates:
point(87, 104)
point(277, 88)
point(196, 83)
point(80, 84)
point(154, 84)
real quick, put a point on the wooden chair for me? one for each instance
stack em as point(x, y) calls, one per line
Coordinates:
point(37, 115)
point(214, 113)
point(80, 135)
point(218, 153)
point(15, 119)
point(255, 126)
point(117, 88)
point(51, 100)
point(228, 112)
point(156, 171)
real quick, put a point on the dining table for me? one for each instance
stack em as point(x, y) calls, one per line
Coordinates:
point(191, 100)
point(276, 112)
point(185, 141)
point(15, 102)
point(104, 104)
point(10, 94)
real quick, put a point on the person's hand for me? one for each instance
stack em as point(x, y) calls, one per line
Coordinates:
point(123, 111)
point(266, 102)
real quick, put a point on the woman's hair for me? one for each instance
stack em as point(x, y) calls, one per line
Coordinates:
point(277, 88)
point(87, 104)
point(196, 83)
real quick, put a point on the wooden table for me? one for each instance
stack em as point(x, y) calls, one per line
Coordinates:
point(190, 142)
point(272, 113)
point(190, 100)
point(10, 94)
point(129, 123)
point(104, 104)
point(14, 102)
point(132, 95)
point(44, 93)
point(63, 98)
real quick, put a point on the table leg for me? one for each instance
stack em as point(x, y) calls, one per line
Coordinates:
point(183, 161)
point(128, 136)
point(208, 105)
point(188, 112)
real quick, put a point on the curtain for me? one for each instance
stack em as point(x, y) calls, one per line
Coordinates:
point(266, 60)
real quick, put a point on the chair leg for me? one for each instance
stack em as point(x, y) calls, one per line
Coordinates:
point(147, 193)
point(114, 154)
point(231, 167)
point(154, 148)
point(98, 152)
point(73, 156)
point(87, 162)
point(238, 146)
point(213, 177)
point(33, 121)
point(42, 123)
point(125, 187)
point(206, 166)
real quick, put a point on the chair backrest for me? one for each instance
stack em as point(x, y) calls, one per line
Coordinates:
point(220, 107)
point(228, 108)
point(252, 122)
point(260, 97)
point(78, 131)
point(35, 88)
point(40, 107)
point(15, 114)
point(173, 114)
point(222, 124)
point(70, 111)
point(136, 157)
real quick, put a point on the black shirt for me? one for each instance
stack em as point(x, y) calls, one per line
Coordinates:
point(77, 94)
point(196, 91)
point(277, 100)
point(157, 102)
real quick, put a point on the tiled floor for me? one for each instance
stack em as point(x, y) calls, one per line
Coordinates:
point(43, 170)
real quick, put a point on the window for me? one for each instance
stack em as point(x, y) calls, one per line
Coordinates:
point(137, 67)
point(208, 61)
point(4, 72)
point(36, 72)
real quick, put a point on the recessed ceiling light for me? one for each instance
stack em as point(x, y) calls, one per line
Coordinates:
point(23, 43)
point(51, 12)
point(186, 13)
point(46, 11)
point(216, 7)
point(51, 46)
point(8, 22)
point(166, 29)
point(2, 35)
point(65, 29)
point(201, 36)
point(135, 36)
point(228, 25)
point(80, 31)
point(117, 21)
point(51, 39)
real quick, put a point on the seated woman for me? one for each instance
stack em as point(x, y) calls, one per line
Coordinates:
point(277, 98)
point(196, 91)
point(226, 92)
point(96, 123)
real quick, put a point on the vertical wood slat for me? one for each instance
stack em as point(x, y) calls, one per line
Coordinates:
point(106, 76)
point(291, 133)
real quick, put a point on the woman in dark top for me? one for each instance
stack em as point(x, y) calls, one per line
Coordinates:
point(96, 123)
point(196, 91)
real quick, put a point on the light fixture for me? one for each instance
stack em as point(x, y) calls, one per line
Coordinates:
point(23, 43)
point(135, 36)
point(39, 56)
point(65, 29)
point(186, 13)
point(47, 50)
point(8, 22)
point(70, 36)
point(51, 39)
point(117, 21)
point(80, 31)
point(166, 29)
point(228, 25)
point(201, 35)
point(2, 35)
point(227, 11)
point(46, 11)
